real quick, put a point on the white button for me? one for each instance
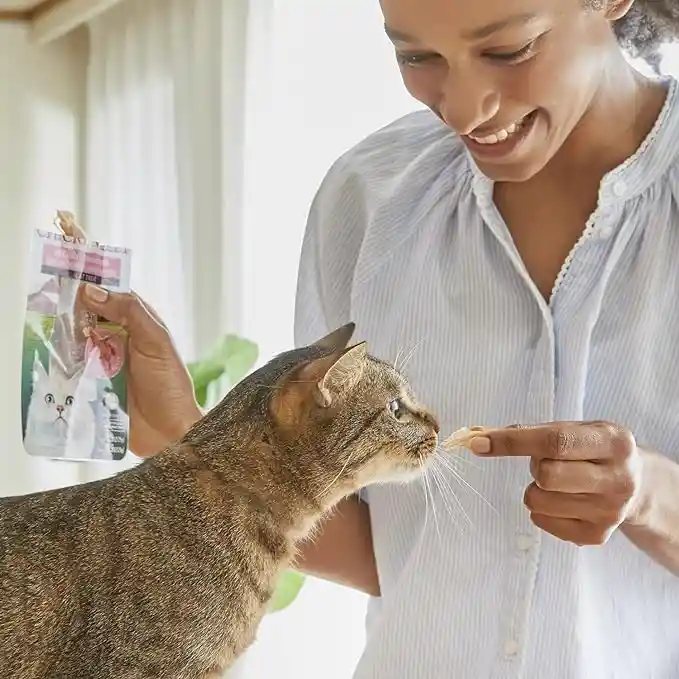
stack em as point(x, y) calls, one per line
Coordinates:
point(605, 232)
point(511, 647)
point(619, 188)
point(524, 542)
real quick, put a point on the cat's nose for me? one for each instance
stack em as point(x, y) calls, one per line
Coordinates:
point(431, 420)
point(60, 409)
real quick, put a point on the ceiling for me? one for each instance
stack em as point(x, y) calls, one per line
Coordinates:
point(49, 20)
point(15, 5)
point(27, 7)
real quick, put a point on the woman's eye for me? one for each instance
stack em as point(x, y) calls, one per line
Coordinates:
point(414, 59)
point(398, 409)
point(515, 56)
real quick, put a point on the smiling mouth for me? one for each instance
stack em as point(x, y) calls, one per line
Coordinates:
point(499, 135)
point(503, 141)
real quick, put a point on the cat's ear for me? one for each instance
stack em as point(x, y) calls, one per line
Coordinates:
point(338, 339)
point(342, 374)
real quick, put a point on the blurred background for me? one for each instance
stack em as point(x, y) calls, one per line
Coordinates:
point(195, 132)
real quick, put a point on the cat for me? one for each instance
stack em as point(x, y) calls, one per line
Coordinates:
point(165, 570)
point(59, 422)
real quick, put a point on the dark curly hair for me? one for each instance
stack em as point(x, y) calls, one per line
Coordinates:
point(647, 25)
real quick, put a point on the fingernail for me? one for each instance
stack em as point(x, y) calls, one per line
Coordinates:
point(95, 293)
point(480, 444)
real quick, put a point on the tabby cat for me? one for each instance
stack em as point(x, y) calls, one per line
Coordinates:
point(165, 570)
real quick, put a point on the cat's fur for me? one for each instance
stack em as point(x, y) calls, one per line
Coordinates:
point(165, 570)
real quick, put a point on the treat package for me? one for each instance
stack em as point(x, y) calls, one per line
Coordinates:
point(73, 377)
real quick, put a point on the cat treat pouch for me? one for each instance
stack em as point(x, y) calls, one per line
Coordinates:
point(73, 385)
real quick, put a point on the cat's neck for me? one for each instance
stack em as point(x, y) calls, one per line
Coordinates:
point(253, 475)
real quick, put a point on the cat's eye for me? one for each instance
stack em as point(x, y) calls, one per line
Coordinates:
point(398, 409)
point(69, 401)
point(49, 398)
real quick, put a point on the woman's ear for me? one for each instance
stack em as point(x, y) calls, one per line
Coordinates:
point(613, 9)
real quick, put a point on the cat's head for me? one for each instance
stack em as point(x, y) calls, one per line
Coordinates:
point(335, 417)
point(54, 394)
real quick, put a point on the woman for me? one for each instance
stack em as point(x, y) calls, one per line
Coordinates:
point(520, 239)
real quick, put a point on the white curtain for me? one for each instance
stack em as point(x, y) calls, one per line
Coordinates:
point(40, 109)
point(159, 120)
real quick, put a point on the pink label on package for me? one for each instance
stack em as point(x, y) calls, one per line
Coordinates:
point(94, 267)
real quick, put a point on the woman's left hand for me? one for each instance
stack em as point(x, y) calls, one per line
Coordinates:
point(588, 476)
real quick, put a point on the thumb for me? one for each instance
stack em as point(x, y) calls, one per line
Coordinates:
point(124, 308)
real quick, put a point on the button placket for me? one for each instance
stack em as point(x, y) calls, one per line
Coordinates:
point(511, 648)
point(525, 542)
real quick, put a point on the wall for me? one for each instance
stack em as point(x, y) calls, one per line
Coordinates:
point(41, 90)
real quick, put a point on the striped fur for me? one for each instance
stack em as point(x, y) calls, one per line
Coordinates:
point(166, 569)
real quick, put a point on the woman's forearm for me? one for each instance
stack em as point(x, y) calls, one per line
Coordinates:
point(654, 525)
point(342, 551)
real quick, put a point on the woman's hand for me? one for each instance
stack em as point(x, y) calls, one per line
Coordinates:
point(160, 397)
point(588, 476)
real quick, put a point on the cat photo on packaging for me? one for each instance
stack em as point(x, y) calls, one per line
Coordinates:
point(73, 380)
point(166, 569)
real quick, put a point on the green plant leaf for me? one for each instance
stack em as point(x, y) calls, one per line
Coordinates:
point(201, 395)
point(287, 589)
point(232, 356)
point(238, 355)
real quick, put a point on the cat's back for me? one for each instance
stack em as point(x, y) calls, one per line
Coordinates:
point(40, 527)
point(41, 538)
point(128, 578)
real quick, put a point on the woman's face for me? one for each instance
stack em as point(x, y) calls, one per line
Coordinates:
point(512, 77)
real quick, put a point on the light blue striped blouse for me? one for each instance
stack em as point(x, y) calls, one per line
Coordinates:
point(403, 238)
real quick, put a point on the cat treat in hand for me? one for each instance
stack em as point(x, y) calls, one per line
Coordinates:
point(463, 437)
point(74, 395)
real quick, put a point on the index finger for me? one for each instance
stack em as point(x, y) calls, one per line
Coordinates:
point(553, 440)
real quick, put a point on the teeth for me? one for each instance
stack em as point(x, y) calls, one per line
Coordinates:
point(500, 135)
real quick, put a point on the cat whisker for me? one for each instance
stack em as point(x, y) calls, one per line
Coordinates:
point(398, 355)
point(425, 489)
point(261, 385)
point(410, 354)
point(455, 458)
point(444, 486)
point(428, 490)
point(435, 475)
point(440, 459)
point(334, 481)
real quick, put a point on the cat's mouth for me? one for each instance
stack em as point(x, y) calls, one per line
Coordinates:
point(422, 453)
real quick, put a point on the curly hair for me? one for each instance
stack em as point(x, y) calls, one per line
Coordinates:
point(645, 28)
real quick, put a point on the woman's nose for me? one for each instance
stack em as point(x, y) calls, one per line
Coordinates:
point(468, 102)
